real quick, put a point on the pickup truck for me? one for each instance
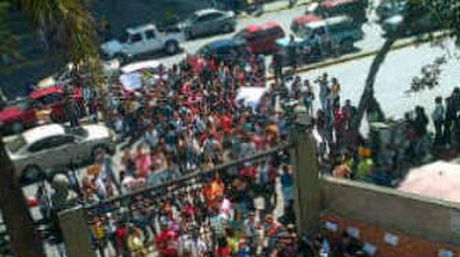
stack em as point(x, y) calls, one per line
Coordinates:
point(143, 39)
point(329, 36)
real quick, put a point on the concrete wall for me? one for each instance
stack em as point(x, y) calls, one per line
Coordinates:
point(388, 242)
point(433, 220)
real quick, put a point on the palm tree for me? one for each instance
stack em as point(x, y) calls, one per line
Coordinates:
point(69, 26)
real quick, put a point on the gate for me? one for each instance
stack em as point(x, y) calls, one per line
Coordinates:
point(195, 187)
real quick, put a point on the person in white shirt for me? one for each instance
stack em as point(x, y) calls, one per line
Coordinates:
point(195, 246)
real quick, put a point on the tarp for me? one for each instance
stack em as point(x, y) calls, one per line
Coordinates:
point(136, 66)
point(131, 81)
point(440, 180)
point(250, 95)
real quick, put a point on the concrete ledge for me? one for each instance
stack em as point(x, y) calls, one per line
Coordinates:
point(411, 214)
point(390, 192)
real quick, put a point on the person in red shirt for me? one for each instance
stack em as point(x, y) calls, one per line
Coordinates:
point(248, 171)
point(166, 242)
point(227, 122)
point(339, 125)
point(223, 250)
point(121, 235)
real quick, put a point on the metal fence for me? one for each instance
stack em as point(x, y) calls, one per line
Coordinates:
point(124, 208)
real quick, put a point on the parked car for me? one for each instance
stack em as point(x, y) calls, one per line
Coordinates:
point(42, 150)
point(223, 49)
point(389, 8)
point(22, 114)
point(300, 21)
point(424, 23)
point(208, 22)
point(261, 39)
point(336, 33)
point(141, 40)
point(330, 8)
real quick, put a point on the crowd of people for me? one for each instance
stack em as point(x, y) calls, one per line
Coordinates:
point(376, 159)
point(189, 119)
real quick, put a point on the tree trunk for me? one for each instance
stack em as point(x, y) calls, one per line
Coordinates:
point(368, 93)
point(16, 216)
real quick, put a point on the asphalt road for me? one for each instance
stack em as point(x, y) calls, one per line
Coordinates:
point(372, 39)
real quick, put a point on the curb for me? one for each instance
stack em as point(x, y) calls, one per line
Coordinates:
point(396, 46)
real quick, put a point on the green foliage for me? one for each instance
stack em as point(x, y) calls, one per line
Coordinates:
point(445, 13)
point(8, 42)
point(68, 23)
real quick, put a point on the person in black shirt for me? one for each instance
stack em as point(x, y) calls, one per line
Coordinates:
point(278, 67)
point(292, 53)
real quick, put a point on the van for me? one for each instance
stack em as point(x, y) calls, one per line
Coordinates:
point(261, 39)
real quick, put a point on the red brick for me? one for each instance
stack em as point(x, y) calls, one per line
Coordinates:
point(408, 246)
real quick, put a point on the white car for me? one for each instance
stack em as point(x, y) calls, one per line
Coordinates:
point(143, 39)
point(43, 150)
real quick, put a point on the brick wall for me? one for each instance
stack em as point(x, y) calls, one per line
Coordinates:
point(407, 246)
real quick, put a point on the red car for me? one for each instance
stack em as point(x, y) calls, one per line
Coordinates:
point(261, 39)
point(302, 20)
point(21, 115)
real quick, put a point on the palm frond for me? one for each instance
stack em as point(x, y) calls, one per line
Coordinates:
point(8, 42)
point(70, 23)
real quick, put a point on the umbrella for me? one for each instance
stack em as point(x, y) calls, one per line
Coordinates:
point(439, 180)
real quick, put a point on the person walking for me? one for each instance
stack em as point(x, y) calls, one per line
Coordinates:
point(309, 97)
point(277, 64)
point(292, 53)
point(438, 119)
point(335, 93)
point(324, 90)
point(287, 183)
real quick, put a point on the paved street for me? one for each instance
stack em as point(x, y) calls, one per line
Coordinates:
point(372, 40)
point(395, 77)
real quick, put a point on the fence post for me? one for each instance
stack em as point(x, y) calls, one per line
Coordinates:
point(307, 197)
point(76, 233)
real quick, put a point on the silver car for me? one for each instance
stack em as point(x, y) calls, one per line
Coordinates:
point(42, 150)
point(208, 22)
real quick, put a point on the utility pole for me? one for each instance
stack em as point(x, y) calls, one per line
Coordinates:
point(24, 238)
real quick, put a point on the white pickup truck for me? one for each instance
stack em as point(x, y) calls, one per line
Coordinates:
point(143, 39)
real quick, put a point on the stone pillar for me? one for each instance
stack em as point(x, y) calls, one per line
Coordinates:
point(76, 233)
point(307, 196)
